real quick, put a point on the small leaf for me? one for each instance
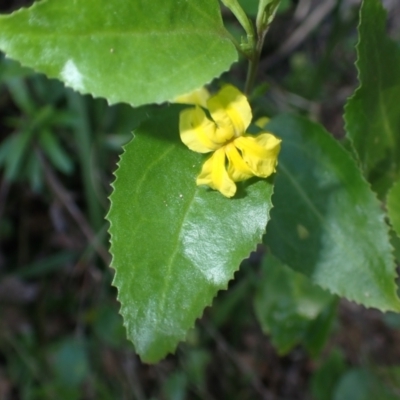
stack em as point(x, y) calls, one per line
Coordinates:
point(393, 206)
point(18, 148)
point(136, 52)
point(54, 151)
point(174, 245)
point(326, 222)
point(372, 115)
point(287, 304)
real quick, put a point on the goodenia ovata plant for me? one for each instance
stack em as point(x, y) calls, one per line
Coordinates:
point(176, 243)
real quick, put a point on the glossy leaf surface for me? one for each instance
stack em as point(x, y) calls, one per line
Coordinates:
point(393, 206)
point(326, 222)
point(175, 245)
point(287, 304)
point(131, 51)
point(372, 114)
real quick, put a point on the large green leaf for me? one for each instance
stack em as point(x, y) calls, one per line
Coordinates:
point(137, 51)
point(326, 222)
point(287, 305)
point(174, 245)
point(393, 206)
point(372, 114)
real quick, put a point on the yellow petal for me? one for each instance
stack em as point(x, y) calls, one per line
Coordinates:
point(214, 174)
point(230, 110)
point(197, 131)
point(260, 152)
point(261, 122)
point(198, 97)
point(238, 170)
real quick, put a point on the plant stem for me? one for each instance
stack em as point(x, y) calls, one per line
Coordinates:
point(253, 64)
point(266, 13)
point(237, 45)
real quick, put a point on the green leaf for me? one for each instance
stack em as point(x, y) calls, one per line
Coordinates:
point(320, 329)
point(325, 378)
point(10, 69)
point(363, 384)
point(326, 222)
point(174, 245)
point(18, 149)
point(33, 172)
point(395, 242)
point(54, 151)
point(393, 207)
point(287, 304)
point(372, 115)
point(20, 95)
point(136, 52)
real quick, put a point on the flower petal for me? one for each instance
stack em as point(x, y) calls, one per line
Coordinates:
point(197, 131)
point(238, 170)
point(198, 97)
point(260, 152)
point(261, 122)
point(214, 174)
point(230, 110)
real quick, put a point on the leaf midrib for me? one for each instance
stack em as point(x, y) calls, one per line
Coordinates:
point(172, 259)
point(178, 232)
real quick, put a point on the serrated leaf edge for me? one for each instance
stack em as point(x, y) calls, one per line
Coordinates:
point(381, 219)
point(356, 157)
point(388, 197)
point(354, 95)
point(182, 338)
point(360, 86)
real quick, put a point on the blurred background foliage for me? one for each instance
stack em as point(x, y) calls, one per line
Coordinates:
point(272, 335)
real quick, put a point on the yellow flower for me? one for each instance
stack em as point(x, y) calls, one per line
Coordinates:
point(197, 97)
point(237, 155)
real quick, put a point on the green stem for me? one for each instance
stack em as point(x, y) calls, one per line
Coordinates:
point(241, 16)
point(266, 13)
point(251, 76)
point(253, 64)
point(237, 45)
